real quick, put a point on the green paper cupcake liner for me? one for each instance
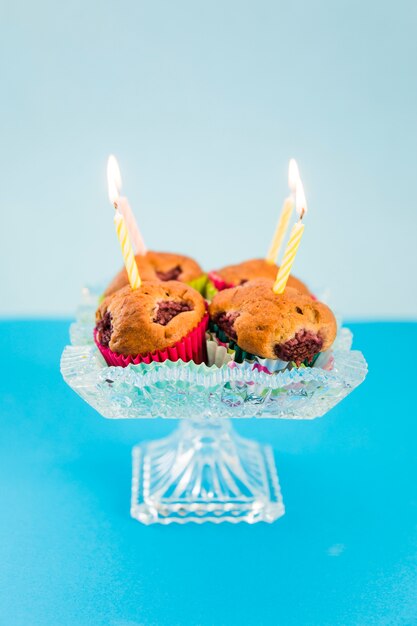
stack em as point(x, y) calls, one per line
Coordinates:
point(314, 359)
point(210, 291)
point(199, 284)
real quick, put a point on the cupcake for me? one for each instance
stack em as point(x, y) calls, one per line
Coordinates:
point(158, 321)
point(121, 279)
point(168, 266)
point(235, 275)
point(292, 326)
point(162, 266)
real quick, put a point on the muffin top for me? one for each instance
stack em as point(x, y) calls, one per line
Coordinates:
point(159, 266)
point(289, 326)
point(169, 266)
point(121, 279)
point(241, 273)
point(153, 317)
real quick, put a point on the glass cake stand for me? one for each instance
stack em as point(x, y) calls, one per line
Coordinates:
point(204, 471)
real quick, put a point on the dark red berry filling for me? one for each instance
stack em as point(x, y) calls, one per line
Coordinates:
point(303, 346)
point(226, 322)
point(104, 329)
point(168, 309)
point(171, 274)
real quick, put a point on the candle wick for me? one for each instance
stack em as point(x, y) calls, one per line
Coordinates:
point(302, 214)
point(115, 205)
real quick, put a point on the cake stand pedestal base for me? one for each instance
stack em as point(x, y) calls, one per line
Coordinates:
point(204, 472)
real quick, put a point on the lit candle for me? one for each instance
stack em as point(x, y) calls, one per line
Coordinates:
point(293, 241)
point(123, 205)
point(287, 208)
point(122, 232)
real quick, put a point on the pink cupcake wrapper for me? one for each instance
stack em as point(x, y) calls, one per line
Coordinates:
point(191, 348)
point(218, 281)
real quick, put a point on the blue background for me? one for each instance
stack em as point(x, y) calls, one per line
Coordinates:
point(204, 103)
point(345, 553)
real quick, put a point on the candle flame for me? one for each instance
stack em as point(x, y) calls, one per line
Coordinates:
point(293, 175)
point(114, 179)
point(300, 199)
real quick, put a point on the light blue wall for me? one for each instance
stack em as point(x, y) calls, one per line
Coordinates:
point(203, 103)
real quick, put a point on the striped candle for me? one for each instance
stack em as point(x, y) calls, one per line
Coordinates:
point(127, 250)
point(114, 181)
point(280, 231)
point(131, 225)
point(293, 241)
point(289, 258)
point(284, 218)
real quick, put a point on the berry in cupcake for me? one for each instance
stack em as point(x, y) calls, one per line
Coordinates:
point(163, 266)
point(291, 326)
point(169, 266)
point(235, 275)
point(157, 321)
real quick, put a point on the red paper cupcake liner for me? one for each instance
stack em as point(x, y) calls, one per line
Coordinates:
point(218, 281)
point(192, 347)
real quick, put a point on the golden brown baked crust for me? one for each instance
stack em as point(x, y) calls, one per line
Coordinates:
point(166, 262)
point(256, 268)
point(291, 326)
point(127, 320)
point(159, 266)
point(146, 272)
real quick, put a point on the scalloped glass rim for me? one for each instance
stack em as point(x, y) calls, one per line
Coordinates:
point(184, 390)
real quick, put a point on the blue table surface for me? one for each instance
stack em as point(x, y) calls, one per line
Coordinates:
point(344, 553)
